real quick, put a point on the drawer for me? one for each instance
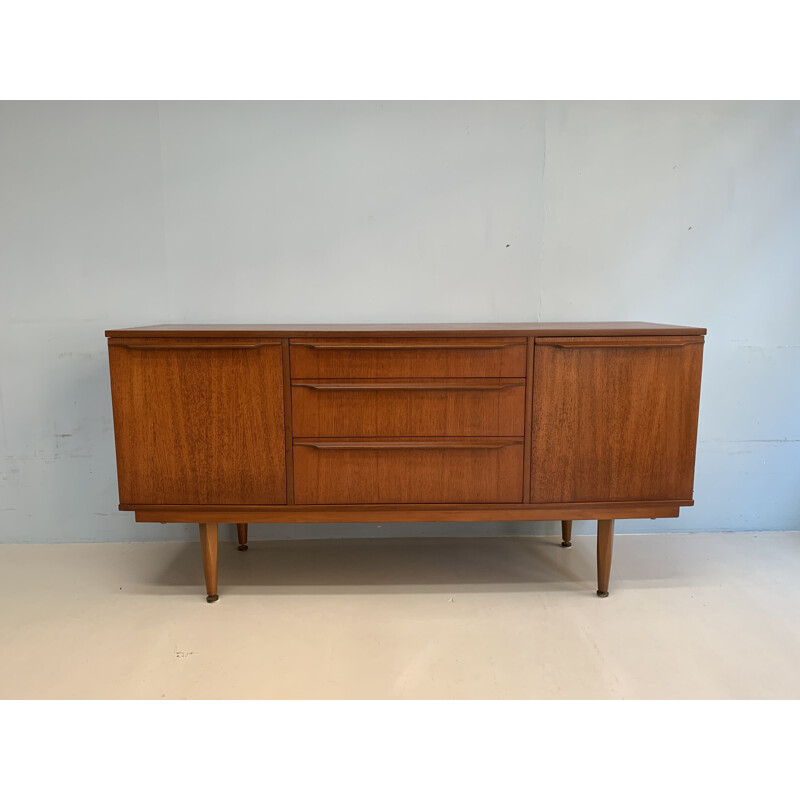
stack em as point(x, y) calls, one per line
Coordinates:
point(406, 471)
point(408, 358)
point(386, 407)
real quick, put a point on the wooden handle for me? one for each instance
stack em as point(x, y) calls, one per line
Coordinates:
point(408, 386)
point(406, 445)
point(443, 346)
point(620, 341)
point(195, 346)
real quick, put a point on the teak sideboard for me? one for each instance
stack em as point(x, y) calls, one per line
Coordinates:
point(366, 423)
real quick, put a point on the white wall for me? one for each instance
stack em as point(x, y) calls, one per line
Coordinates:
point(117, 214)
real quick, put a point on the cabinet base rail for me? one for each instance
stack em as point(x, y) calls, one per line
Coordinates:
point(542, 512)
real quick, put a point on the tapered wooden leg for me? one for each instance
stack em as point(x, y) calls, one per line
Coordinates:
point(566, 533)
point(605, 544)
point(241, 530)
point(208, 542)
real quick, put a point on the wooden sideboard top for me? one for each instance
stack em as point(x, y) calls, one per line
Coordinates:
point(422, 329)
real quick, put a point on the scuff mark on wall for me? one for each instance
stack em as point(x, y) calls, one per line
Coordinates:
point(2, 420)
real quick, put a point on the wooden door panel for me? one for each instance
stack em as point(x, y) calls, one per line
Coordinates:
point(408, 358)
point(614, 418)
point(384, 407)
point(198, 421)
point(446, 471)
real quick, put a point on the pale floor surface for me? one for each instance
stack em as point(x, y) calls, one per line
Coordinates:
point(689, 616)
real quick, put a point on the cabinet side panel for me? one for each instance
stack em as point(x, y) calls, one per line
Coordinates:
point(526, 479)
point(615, 419)
point(198, 423)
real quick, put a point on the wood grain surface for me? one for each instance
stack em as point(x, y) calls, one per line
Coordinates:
point(209, 547)
point(198, 425)
point(614, 422)
point(241, 533)
point(605, 547)
point(526, 456)
point(463, 512)
point(419, 329)
point(287, 421)
point(408, 358)
point(388, 407)
point(443, 471)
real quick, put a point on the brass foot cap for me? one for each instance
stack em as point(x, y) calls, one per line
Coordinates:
point(243, 547)
point(212, 598)
point(602, 594)
point(566, 544)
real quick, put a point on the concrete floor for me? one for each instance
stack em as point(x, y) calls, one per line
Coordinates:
point(689, 616)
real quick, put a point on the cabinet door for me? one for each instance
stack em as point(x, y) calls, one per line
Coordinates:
point(614, 418)
point(198, 421)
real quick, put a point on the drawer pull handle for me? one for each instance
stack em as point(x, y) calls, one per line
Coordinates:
point(345, 387)
point(589, 341)
point(452, 346)
point(407, 445)
point(224, 346)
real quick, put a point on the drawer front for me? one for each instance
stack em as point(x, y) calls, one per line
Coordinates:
point(407, 472)
point(447, 407)
point(408, 358)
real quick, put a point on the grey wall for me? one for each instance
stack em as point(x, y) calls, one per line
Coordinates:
point(117, 214)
